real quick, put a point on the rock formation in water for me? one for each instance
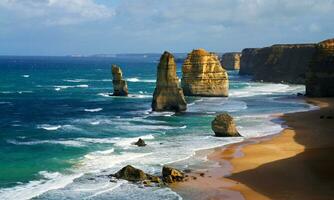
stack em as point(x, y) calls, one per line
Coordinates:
point(168, 96)
point(231, 61)
point(278, 63)
point(224, 126)
point(120, 85)
point(320, 74)
point(203, 75)
point(140, 143)
point(131, 173)
point(171, 175)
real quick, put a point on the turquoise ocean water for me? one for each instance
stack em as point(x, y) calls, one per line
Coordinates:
point(60, 131)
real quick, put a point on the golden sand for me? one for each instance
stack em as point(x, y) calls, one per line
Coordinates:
point(296, 164)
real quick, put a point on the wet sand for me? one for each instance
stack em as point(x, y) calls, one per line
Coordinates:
point(297, 164)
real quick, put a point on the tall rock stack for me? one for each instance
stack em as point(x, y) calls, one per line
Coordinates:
point(120, 85)
point(203, 75)
point(231, 61)
point(320, 75)
point(168, 96)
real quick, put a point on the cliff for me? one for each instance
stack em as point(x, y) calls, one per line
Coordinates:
point(231, 61)
point(278, 63)
point(168, 96)
point(320, 74)
point(247, 61)
point(203, 75)
point(120, 85)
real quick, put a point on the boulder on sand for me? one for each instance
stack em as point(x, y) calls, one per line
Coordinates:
point(224, 126)
point(171, 175)
point(131, 173)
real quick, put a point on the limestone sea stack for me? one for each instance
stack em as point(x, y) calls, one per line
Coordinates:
point(120, 85)
point(203, 75)
point(231, 61)
point(224, 126)
point(168, 96)
point(320, 74)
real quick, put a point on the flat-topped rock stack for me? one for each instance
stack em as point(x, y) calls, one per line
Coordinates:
point(320, 74)
point(203, 75)
point(120, 85)
point(168, 95)
point(231, 61)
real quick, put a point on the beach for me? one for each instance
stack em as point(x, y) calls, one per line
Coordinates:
point(294, 164)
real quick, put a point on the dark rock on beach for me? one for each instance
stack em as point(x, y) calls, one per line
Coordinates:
point(224, 126)
point(171, 175)
point(133, 174)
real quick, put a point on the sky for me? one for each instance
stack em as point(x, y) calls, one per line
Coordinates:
point(86, 27)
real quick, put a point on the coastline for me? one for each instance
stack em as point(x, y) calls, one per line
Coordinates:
point(294, 164)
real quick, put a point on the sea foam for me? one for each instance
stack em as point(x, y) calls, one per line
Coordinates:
point(255, 89)
point(93, 110)
point(50, 181)
point(62, 87)
point(135, 79)
point(71, 143)
point(49, 127)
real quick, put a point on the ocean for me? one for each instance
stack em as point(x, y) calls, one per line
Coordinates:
point(61, 133)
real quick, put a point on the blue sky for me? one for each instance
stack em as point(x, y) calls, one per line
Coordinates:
point(64, 27)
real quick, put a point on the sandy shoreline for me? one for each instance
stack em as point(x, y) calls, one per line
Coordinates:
point(298, 163)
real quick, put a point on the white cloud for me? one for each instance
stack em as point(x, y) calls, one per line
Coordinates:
point(154, 25)
point(57, 12)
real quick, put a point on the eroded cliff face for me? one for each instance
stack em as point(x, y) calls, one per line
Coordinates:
point(120, 85)
point(247, 61)
point(231, 61)
point(203, 75)
point(320, 74)
point(278, 63)
point(168, 96)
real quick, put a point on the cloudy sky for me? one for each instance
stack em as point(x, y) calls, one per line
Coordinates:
point(63, 27)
